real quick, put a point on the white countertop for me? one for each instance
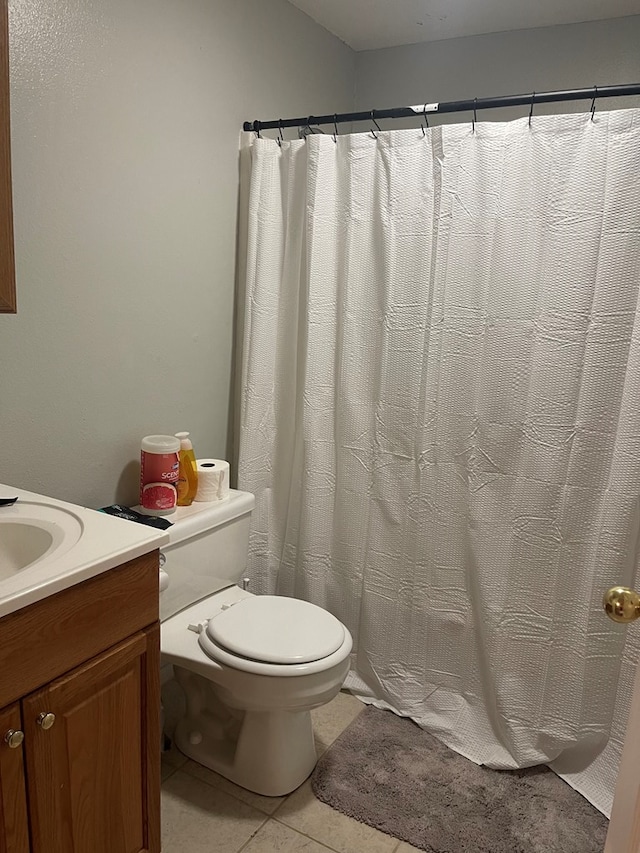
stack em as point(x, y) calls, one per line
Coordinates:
point(95, 543)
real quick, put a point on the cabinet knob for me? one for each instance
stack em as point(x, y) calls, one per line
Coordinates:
point(13, 738)
point(46, 720)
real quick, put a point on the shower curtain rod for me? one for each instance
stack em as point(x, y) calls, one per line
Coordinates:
point(451, 107)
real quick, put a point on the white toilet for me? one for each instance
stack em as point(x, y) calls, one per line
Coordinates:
point(251, 667)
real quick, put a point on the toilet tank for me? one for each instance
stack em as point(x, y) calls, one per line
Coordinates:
point(207, 550)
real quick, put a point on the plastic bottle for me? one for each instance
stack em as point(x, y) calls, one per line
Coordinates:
point(188, 476)
point(159, 464)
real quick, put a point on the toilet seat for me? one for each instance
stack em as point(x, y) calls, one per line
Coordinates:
point(275, 629)
point(185, 645)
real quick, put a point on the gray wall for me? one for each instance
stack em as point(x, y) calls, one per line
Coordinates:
point(563, 57)
point(125, 121)
point(125, 133)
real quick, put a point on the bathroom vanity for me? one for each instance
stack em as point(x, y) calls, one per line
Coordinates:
point(79, 689)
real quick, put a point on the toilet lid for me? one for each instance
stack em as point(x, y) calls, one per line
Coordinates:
point(275, 629)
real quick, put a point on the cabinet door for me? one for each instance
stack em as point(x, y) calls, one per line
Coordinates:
point(14, 832)
point(94, 771)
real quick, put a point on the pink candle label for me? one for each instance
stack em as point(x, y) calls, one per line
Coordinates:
point(158, 480)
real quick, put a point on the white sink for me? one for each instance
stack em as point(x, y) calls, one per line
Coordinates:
point(47, 545)
point(31, 531)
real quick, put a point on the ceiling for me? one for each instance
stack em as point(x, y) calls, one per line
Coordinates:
point(372, 24)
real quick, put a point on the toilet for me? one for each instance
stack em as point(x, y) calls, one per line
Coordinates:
point(251, 667)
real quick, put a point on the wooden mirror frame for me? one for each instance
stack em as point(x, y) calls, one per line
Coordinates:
point(7, 262)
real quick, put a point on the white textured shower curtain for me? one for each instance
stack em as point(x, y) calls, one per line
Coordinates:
point(440, 420)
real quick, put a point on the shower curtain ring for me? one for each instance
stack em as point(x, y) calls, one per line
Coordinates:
point(593, 102)
point(533, 96)
point(305, 131)
point(256, 127)
point(426, 120)
point(475, 115)
point(335, 128)
point(280, 138)
point(373, 119)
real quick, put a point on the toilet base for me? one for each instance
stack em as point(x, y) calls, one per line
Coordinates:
point(268, 752)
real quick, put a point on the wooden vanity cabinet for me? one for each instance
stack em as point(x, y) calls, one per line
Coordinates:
point(86, 778)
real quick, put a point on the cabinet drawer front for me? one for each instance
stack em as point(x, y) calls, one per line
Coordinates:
point(50, 637)
point(92, 764)
point(14, 832)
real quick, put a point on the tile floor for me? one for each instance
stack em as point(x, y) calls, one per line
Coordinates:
point(204, 813)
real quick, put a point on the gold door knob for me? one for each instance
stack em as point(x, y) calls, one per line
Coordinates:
point(13, 738)
point(621, 604)
point(46, 720)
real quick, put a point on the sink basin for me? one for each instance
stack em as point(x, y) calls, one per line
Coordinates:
point(48, 545)
point(31, 531)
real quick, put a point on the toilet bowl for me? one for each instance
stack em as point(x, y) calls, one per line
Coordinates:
point(251, 667)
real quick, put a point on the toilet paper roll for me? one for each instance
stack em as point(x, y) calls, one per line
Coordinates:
point(213, 480)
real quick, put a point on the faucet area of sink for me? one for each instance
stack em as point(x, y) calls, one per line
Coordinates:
point(47, 545)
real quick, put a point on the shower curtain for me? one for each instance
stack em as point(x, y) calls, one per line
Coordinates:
point(440, 420)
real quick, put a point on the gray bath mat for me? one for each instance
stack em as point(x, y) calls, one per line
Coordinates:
point(385, 771)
